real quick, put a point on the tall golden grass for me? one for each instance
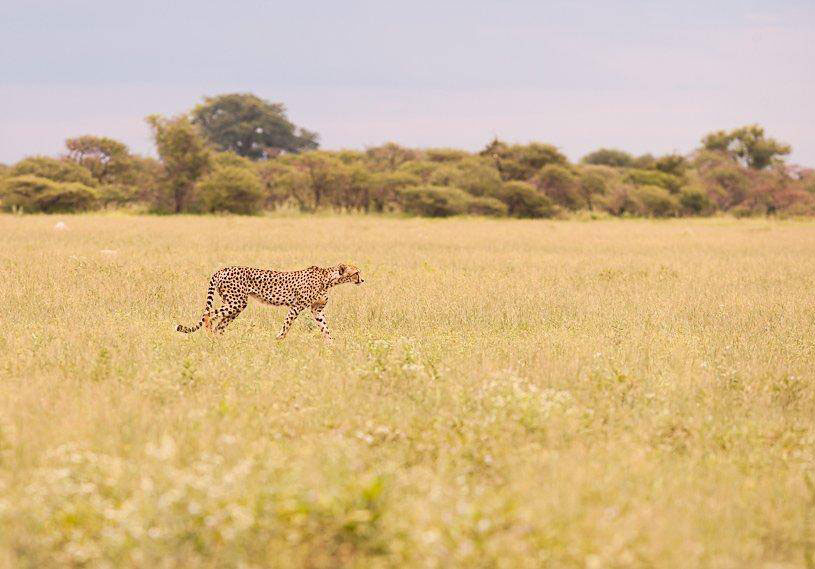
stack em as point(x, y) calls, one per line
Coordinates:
point(499, 394)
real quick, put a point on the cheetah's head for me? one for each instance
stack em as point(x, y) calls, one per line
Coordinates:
point(343, 273)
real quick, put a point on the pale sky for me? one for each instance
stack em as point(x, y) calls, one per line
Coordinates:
point(644, 76)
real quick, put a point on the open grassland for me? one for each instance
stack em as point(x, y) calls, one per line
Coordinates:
point(499, 394)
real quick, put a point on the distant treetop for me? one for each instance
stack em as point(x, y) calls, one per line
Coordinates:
point(609, 157)
point(749, 145)
point(249, 126)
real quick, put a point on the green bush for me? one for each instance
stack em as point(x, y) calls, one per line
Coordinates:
point(386, 189)
point(53, 169)
point(445, 154)
point(616, 200)
point(487, 206)
point(225, 159)
point(672, 164)
point(523, 200)
point(422, 169)
point(653, 201)
point(694, 201)
point(560, 185)
point(445, 175)
point(644, 162)
point(479, 177)
point(522, 161)
point(654, 178)
point(728, 184)
point(609, 157)
point(116, 194)
point(591, 184)
point(36, 194)
point(231, 188)
point(434, 201)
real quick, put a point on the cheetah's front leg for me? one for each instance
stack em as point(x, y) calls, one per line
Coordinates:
point(293, 312)
point(317, 311)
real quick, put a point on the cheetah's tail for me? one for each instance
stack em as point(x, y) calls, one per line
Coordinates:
point(207, 310)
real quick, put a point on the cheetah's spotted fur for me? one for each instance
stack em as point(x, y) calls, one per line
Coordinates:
point(296, 289)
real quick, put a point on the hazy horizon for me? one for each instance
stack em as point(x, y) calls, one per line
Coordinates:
point(643, 77)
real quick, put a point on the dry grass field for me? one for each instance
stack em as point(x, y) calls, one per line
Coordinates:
point(499, 394)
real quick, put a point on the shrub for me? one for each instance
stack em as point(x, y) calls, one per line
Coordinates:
point(445, 175)
point(591, 183)
point(116, 194)
point(672, 164)
point(53, 169)
point(654, 178)
point(231, 188)
point(36, 194)
point(422, 169)
point(653, 201)
point(609, 157)
point(225, 159)
point(487, 206)
point(445, 154)
point(522, 161)
point(727, 184)
point(389, 156)
point(479, 177)
point(616, 200)
point(325, 177)
point(387, 187)
point(147, 173)
point(694, 201)
point(434, 201)
point(523, 200)
point(350, 156)
point(644, 162)
point(560, 185)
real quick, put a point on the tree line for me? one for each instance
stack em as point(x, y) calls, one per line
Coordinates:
point(238, 153)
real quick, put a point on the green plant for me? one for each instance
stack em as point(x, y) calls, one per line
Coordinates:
point(434, 201)
point(35, 194)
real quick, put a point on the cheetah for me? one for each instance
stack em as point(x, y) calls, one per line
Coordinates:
point(298, 290)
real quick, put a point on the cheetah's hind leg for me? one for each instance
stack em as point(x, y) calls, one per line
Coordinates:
point(233, 313)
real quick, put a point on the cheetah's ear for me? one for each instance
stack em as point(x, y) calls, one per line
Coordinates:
point(342, 268)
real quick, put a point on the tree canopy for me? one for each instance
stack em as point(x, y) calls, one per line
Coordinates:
point(184, 157)
point(741, 171)
point(250, 126)
point(748, 145)
point(108, 160)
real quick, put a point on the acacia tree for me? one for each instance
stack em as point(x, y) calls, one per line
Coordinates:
point(108, 160)
point(748, 145)
point(389, 156)
point(184, 157)
point(522, 161)
point(53, 169)
point(250, 126)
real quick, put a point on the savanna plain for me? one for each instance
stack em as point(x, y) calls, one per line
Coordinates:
point(500, 393)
